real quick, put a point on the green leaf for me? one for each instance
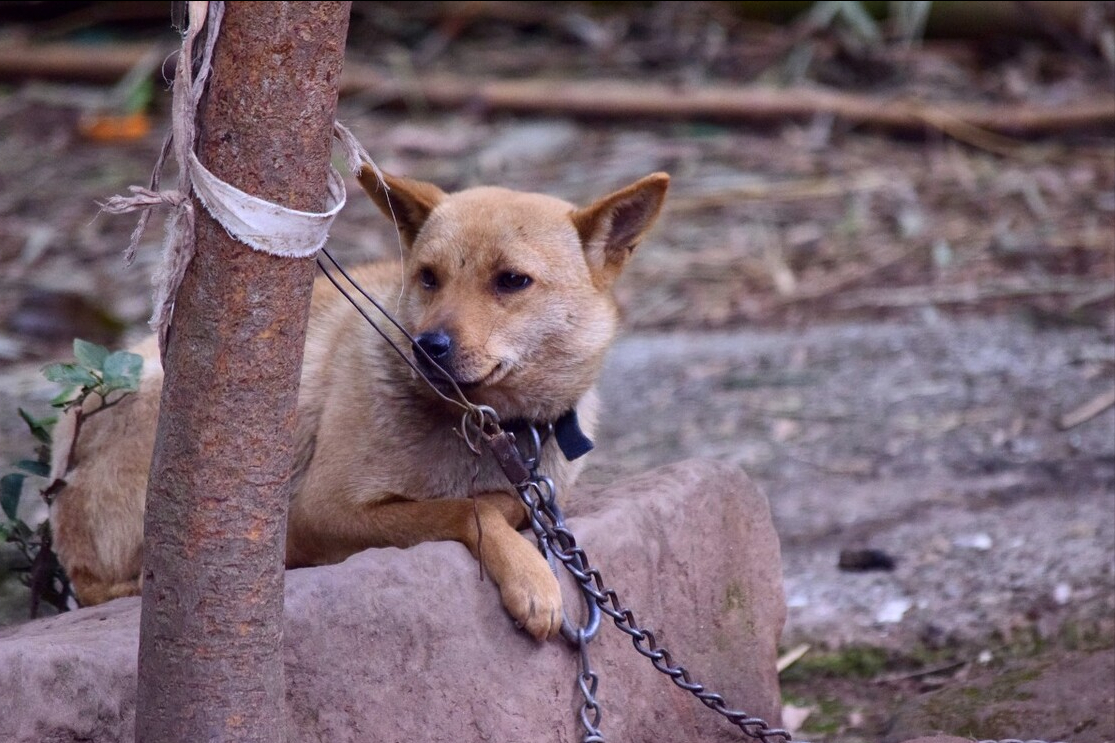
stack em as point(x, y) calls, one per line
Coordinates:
point(70, 374)
point(122, 371)
point(40, 427)
point(90, 355)
point(42, 469)
point(10, 488)
point(63, 398)
point(139, 97)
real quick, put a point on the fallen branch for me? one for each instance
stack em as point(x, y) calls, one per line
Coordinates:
point(67, 61)
point(603, 99)
point(978, 124)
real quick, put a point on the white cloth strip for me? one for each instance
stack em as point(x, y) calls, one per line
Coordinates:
point(263, 225)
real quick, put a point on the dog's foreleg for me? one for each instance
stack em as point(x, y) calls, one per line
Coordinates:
point(486, 525)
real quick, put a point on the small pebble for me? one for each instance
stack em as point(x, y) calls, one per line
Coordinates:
point(1062, 594)
point(981, 541)
point(893, 611)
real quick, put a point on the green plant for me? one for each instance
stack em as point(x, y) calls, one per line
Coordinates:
point(96, 372)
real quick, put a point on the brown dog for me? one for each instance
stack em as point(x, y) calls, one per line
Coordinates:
point(510, 293)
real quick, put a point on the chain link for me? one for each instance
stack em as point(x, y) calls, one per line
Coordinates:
point(587, 681)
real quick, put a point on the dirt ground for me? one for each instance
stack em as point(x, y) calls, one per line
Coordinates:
point(907, 339)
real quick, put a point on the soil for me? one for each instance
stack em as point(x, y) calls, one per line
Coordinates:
point(892, 335)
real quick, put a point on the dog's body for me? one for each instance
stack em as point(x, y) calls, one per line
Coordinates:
point(509, 293)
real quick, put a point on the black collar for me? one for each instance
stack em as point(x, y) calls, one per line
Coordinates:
point(567, 433)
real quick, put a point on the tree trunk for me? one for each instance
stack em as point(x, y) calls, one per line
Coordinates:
point(210, 656)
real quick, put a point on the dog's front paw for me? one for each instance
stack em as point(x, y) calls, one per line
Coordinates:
point(533, 599)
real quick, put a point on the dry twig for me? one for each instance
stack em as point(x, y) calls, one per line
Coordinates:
point(1087, 411)
point(966, 293)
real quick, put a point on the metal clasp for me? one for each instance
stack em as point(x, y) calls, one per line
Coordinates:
point(578, 636)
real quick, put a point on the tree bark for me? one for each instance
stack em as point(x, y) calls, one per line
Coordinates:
point(210, 656)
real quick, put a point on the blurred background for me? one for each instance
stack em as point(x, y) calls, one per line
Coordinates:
point(884, 285)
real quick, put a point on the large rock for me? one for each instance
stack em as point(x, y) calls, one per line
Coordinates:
point(409, 645)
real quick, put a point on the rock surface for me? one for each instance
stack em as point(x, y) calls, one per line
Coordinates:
point(402, 645)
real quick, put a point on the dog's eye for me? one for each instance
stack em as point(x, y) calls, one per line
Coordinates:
point(512, 282)
point(427, 279)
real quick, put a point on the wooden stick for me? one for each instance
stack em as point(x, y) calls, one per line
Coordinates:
point(605, 99)
point(792, 657)
point(602, 99)
point(921, 673)
point(68, 61)
point(966, 293)
point(1087, 411)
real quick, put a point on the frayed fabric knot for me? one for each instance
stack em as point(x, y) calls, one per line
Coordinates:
point(143, 199)
point(178, 248)
point(178, 251)
point(356, 157)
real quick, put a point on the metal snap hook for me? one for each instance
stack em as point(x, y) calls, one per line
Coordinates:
point(479, 418)
point(579, 636)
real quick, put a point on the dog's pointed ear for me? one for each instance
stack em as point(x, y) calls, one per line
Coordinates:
point(611, 227)
point(405, 201)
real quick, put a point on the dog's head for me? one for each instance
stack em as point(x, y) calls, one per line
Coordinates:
point(510, 293)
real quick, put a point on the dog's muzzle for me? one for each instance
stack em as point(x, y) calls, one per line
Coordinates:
point(434, 346)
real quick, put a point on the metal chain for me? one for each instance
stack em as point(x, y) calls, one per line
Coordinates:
point(587, 681)
point(554, 538)
point(548, 524)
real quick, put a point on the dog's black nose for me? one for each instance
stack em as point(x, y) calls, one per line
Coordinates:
point(437, 344)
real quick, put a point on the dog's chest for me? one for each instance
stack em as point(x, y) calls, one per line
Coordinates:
point(450, 469)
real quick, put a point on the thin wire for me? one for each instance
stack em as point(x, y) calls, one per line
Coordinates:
point(463, 403)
